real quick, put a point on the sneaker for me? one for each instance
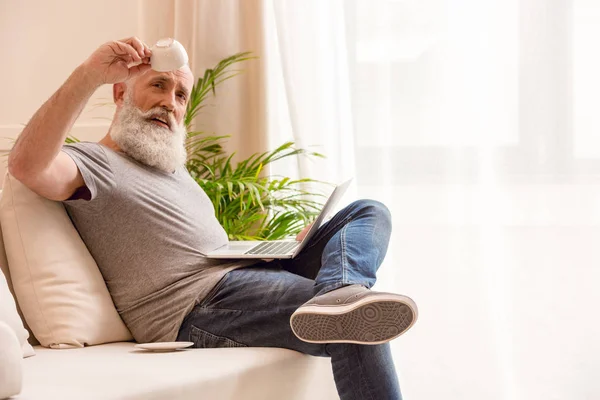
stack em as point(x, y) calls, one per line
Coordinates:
point(354, 314)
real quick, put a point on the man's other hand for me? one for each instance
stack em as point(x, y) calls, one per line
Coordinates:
point(303, 233)
point(117, 61)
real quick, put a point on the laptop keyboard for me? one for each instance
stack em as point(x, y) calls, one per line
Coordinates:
point(273, 248)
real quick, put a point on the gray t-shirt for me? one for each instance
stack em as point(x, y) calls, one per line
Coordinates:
point(147, 231)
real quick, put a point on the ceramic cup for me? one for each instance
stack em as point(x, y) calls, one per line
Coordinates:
point(168, 55)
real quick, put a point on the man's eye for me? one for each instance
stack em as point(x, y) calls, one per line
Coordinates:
point(158, 85)
point(182, 96)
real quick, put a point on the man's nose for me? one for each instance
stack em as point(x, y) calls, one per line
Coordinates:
point(168, 102)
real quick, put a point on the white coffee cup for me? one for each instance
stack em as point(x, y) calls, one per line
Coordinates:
point(168, 55)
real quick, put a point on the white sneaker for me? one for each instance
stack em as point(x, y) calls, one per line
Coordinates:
point(354, 314)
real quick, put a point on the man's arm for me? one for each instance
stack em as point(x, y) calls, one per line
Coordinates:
point(36, 159)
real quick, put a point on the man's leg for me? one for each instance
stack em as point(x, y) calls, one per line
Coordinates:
point(343, 258)
point(348, 249)
point(252, 307)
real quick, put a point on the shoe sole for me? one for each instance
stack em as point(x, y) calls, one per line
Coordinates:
point(375, 320)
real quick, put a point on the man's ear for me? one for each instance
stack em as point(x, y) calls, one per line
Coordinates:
point(119, 93)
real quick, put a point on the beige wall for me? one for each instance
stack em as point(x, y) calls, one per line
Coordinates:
point(43, 41)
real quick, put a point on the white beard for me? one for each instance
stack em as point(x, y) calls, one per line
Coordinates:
point(147, 142)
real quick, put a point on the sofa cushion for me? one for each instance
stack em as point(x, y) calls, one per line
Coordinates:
point(9, 311)
point(10, 362)
point(119, 371)
point(4, 269)
point(56, 282)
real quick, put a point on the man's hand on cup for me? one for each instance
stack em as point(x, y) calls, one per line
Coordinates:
point(117, 61)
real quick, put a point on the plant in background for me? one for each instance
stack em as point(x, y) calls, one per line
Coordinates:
point(249, 203)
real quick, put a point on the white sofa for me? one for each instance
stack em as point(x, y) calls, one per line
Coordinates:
point(118, 370)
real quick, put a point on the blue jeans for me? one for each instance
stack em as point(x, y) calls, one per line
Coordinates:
point(252, 306)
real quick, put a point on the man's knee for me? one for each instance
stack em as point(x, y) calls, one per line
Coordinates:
point(374, 208)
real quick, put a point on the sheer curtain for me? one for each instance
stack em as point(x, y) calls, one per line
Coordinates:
point(475, 122)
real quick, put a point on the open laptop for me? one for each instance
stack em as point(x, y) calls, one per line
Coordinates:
point(279, 248)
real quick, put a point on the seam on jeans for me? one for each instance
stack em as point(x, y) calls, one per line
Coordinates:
point(343, 248)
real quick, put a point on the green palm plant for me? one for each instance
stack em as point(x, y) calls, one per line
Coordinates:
point(249, 203)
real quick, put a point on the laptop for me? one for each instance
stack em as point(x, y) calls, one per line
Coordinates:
point(279, 248)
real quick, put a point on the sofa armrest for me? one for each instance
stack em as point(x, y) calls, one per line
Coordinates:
point(11, 369)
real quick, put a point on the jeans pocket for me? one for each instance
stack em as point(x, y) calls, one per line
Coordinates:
point(206, 340)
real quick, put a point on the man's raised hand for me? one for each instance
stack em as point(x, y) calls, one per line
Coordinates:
point(117, 61)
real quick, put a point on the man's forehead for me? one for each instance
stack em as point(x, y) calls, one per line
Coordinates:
point(183, 76)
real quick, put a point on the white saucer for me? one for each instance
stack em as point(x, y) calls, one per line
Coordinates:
point(164, 346)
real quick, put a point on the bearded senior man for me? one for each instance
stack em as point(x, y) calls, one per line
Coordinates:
point(147, 224)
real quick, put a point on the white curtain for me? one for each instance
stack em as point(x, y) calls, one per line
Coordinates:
point(476, 122)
